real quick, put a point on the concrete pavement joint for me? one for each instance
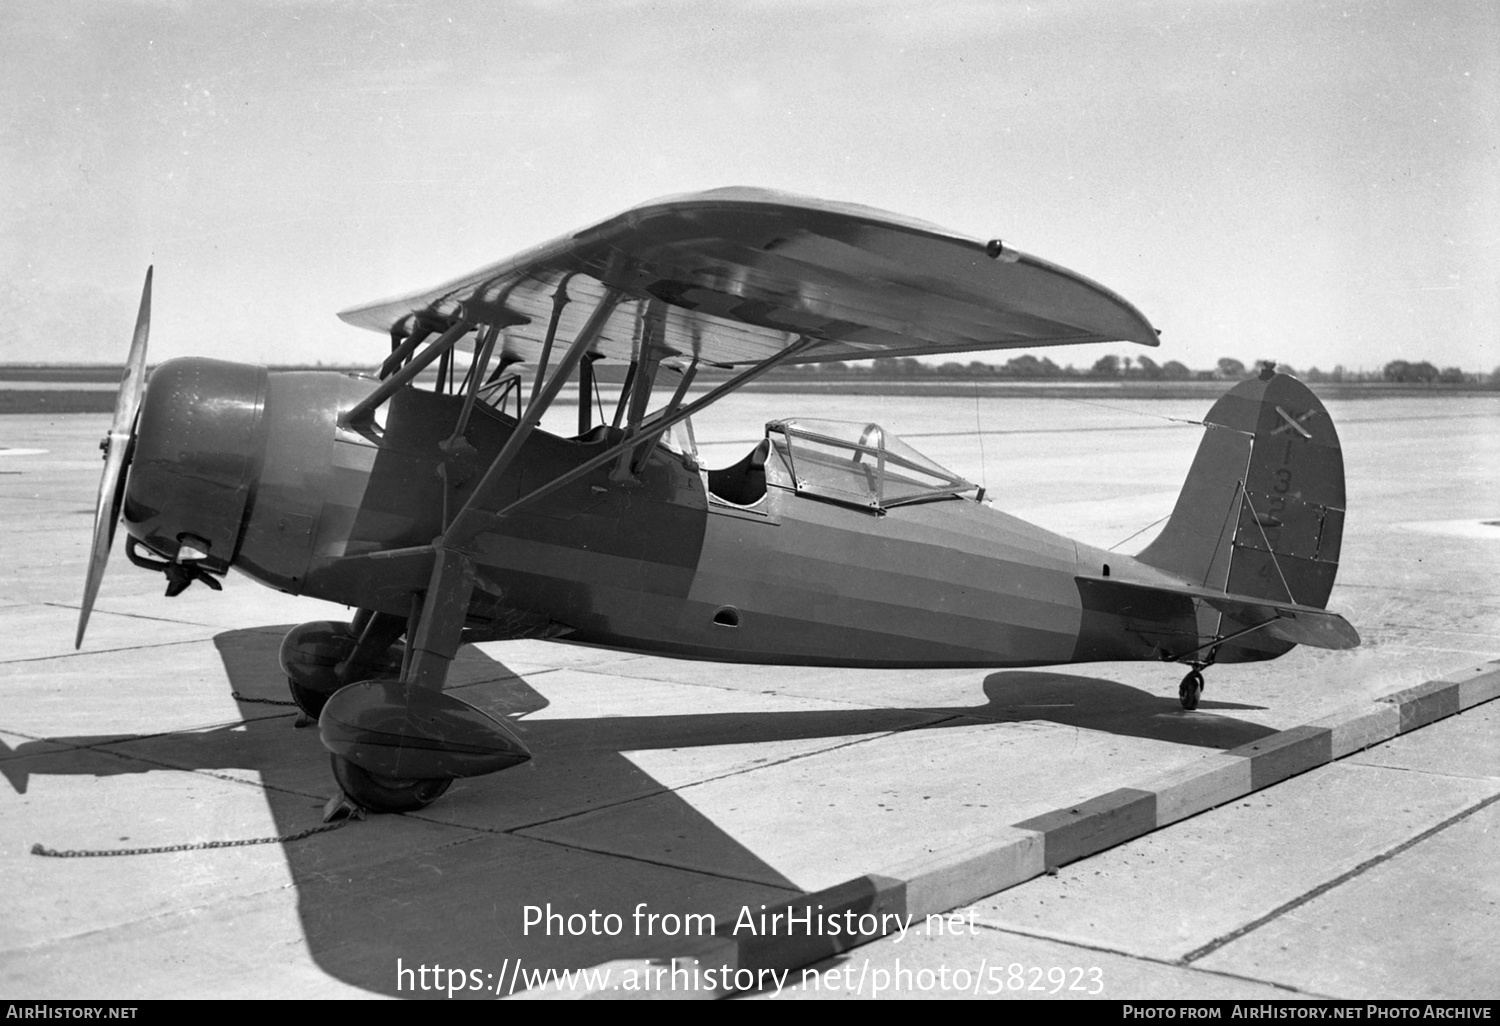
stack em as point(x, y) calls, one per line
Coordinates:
point(1147, 959)
point(642, 860)
point(519, 831)
point(797, 756)
point(568, 815)
point(115, 739)
point(103, 747)
point(100, 748)
point(614, 673)
point(1342, 878)
point(512, 675)
point(102, 651)
point(941, 881)
point(74, 607)
point(191, 911)
point(1413, 769)
point(709, 780)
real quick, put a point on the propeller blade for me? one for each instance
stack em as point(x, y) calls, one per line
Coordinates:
point(133, 382)
point(116, 447)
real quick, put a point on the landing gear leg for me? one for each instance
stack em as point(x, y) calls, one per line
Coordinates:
point(375, 654)
point(434, 633)
point(1190, 689)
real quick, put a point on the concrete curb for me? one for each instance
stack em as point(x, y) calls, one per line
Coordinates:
point(942, 880)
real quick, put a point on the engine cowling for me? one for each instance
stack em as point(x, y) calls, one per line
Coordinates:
point(199, 444)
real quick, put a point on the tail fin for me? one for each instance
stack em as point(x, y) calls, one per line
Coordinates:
point(1262, 511)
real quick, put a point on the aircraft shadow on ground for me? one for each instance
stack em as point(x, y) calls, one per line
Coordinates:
point(449, 887)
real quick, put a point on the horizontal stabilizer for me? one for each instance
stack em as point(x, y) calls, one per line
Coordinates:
point(1286, 621)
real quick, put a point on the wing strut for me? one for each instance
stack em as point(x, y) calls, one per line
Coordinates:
point(360, 412)
point(655, 436)
point(438, 630)
point(658, 427)
point(470, 520)
point(496, 315)
point(559, 300)
point(459, 456)
point(586, 394)
point(647, 362)
point(407, 346)
point(472, 385)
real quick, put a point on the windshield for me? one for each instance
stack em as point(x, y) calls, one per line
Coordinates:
point(860, 464)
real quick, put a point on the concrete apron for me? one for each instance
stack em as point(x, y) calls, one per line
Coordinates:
point(686, 787)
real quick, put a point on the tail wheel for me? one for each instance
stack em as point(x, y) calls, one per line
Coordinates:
point(1190, 690)
point(385, 794)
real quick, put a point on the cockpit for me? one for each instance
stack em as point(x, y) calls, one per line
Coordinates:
point(852, 463)
point(848, 462)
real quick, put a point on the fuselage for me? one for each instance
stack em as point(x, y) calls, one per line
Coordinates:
point(656, 561)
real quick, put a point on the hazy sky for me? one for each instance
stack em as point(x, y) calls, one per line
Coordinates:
point(1314, 182)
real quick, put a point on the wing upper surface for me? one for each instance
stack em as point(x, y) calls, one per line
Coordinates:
point(739, 274)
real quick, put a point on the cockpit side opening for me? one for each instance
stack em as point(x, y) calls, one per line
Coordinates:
point(743, 483)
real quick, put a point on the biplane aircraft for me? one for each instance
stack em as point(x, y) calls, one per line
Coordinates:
point(430, 500)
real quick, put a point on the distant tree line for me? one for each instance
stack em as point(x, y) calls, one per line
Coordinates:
point(1139, 368)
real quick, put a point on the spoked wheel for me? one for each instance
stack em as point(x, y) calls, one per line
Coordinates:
point(1190, 689)
point(385, 794)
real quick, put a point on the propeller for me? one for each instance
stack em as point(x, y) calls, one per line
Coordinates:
point(116, 446)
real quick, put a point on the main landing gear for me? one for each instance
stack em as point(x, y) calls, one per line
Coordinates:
point(385, 794)
point(396, 739)
point(1191, 688)
point(323, 656)
point(320, 657)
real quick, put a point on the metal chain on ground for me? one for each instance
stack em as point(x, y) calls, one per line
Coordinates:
point(52, 853)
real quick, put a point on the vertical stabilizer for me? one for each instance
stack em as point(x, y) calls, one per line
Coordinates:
point(1262, 511)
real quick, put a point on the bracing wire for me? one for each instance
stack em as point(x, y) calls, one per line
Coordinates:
point(1137, 534)
point(1138, 413)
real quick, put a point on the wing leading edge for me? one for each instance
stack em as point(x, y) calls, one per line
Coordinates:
point(735, 276)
